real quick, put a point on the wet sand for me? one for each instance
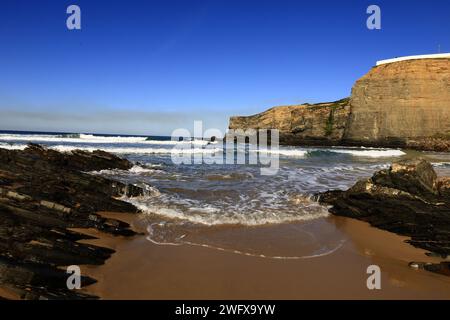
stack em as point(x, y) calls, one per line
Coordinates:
point(141, 269)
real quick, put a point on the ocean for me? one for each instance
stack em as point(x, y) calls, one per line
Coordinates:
point(184, 203)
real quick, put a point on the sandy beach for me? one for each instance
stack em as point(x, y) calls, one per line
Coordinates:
point(141, 269)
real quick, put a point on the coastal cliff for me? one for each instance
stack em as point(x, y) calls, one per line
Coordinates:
point(322, 123)
point(398, 104)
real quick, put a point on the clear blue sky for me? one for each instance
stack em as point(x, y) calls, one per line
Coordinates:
point(148, 67)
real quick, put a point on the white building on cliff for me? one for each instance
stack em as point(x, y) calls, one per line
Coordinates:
point(424, 56)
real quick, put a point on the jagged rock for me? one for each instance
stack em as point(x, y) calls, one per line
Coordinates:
point(78, 160)
point(441, 268)
point(439, 143)
point(413, 176)
point(443, 186)
point(407, 199)
point(42, 193)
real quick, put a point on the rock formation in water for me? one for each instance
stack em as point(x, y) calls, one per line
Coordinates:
point(407, 199)
point(42, 194)
point(399, 104)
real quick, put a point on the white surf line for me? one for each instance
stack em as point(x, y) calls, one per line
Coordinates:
point(266, 256)
point(83, 138)
point(249, 254)
point(150, 234)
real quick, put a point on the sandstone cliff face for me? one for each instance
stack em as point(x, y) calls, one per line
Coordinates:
point(322, 123)
point(399, 101)
point(401, 104)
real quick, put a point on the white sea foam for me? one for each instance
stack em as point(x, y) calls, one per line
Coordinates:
point(321, 252)
point(139, 170)
point(283, 152)
point(143, 141)
point(211, 215)
point(370, 153)
point(170, 150)
point(108, 139)
point(135, 170)
point(362, 152)
point(75, 138)
point(93, 139)
point(441, 164)
point(204, 209)
point(153, 165)
point(12, 146)
point(324, 251)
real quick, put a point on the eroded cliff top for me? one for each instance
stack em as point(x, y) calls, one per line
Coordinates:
point(414, 68)
point(288, 108)
point(320, 123)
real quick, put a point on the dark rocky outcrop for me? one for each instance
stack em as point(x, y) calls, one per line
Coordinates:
point(42, 194)
point(407, 199)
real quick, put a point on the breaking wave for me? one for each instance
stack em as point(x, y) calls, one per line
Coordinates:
point(283, 152)
point(128, 150)
point(362, 152)
point(266, 209)
point(145, 145)
point(370, 153)
point(96, 139)
point(136, 170)
point(12, 146)
point(294, 153)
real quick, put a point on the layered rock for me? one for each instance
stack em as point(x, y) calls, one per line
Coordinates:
point(407, 199)
point(42, 194)
point(322, 123)
point(399, 104)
